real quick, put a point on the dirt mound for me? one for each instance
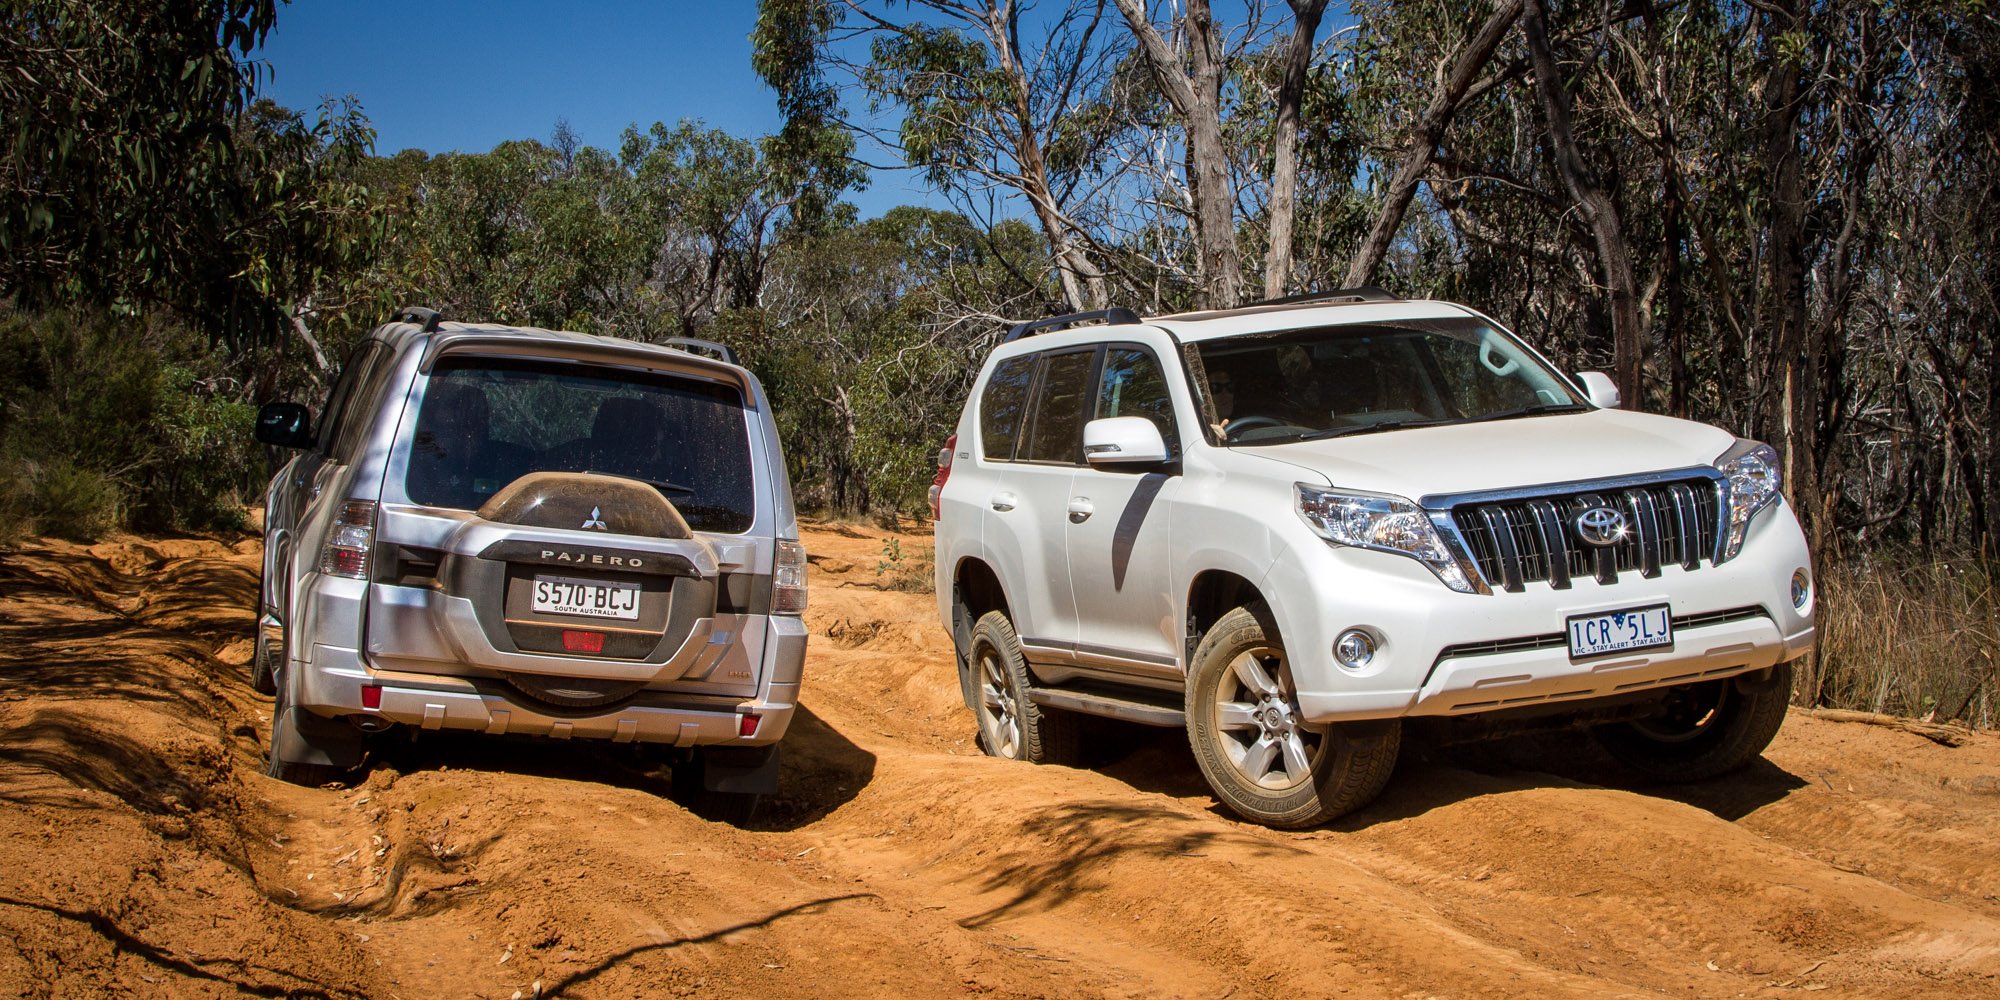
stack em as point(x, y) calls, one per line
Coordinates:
point(144, 852)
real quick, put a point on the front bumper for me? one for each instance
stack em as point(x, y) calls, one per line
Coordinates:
point(1430, 662)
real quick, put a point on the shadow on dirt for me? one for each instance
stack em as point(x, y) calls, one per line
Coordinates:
point(1074, 844)
point(56, 756)
point(127, 944)
point(815, 907)
point(821, 769)
point(1430, 775)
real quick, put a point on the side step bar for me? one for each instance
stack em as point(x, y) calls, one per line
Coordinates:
point(1109, 706)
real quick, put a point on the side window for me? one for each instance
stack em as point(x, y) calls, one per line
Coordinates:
point(1056, 433)
point(1133, 385)
point(363, 404)
point(1003, 406)
point(333, 416)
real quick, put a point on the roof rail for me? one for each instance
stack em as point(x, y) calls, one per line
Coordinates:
point(426, 318)
point(1114, 315)
point(707, 348)
point(1365, 293)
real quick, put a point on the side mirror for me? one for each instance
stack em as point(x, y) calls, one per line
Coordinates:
point(1123, 441)
point(287, 425)
point(1602, 391)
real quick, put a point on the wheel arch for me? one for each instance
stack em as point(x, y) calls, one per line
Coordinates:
point(1211, 594)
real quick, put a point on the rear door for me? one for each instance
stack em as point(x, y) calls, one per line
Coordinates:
point(1027, 494)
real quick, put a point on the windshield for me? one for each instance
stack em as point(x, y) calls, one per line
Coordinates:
point(485, 422)
point(1309, 384)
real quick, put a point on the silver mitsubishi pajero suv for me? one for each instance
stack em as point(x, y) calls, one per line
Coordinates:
point(526, 532)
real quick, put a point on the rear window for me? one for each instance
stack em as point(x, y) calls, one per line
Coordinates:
point(1003, 406)
point(485, 422)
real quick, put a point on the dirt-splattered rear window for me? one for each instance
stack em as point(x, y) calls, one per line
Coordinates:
point(485, 422)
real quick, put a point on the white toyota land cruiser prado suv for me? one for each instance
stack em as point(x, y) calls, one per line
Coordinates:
point(1291, 526)
point(531, 533)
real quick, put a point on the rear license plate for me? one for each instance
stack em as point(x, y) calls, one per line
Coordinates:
point(555, 595)
point(1620, 631)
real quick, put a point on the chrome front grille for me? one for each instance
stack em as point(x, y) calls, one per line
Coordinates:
point(1532, 539)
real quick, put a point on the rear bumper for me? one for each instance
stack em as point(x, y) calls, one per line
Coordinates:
point(334, 681)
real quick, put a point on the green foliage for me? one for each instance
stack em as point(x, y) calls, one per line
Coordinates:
point(813, 153)
point(135, 173)
point(111, 421)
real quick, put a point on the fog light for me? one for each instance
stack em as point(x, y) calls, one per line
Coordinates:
point(1354, 648)
point(579, 641)
point(1801, 589)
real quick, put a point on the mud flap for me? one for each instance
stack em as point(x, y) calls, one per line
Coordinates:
point(311, 739)
point(741, 770)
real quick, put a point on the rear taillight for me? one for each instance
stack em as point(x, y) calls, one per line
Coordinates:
point(788, 579)
point(943, 473)
point(347, 545)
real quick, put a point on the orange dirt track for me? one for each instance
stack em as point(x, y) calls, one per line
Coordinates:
point(143, 852)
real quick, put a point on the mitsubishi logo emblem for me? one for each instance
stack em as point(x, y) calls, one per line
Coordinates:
point(596, 520)
point(1602, 527)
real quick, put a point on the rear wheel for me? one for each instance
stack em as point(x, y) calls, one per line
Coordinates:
point(1261, 757)
point(1704, 730)
point(263, 675)
point(290, 730)
point(690, 789)
point(1011, 725)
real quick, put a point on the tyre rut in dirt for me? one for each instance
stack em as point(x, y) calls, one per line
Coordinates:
point(1011, 725)
point(1260, 756)
point(1705, 729)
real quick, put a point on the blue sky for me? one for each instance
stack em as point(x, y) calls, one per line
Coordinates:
point(445, 75)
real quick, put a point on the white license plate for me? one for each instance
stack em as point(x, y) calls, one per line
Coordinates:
point(556, 595)
point(1620, 631)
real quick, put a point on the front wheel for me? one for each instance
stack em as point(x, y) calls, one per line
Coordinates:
point(1260, 756)
point(1703, 730)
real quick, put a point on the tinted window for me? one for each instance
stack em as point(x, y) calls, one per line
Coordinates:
point(1134, 386)
point(1002, 407)
point(363, 404)
point(333, 416)
point(1056, 434)
point(486, 422)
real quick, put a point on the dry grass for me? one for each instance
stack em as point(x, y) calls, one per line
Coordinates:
point(1907, 636)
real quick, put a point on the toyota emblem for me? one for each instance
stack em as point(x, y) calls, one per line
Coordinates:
point(1602, 527)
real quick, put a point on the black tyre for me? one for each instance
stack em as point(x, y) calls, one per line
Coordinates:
point(1010, 725)
point(263, 661)
point(690, 789)
point(1262, 759)
point(1706, 729)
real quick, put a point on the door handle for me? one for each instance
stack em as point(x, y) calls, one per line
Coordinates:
point(1080, 509)
point(1002, 502)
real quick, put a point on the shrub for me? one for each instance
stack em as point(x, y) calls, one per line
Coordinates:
point(1908, 636)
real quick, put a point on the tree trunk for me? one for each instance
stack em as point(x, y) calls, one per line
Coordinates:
point(1598, 208)
point(1198, 101)
point(1786, 412)
point(1284, 145)
point(1423, 143)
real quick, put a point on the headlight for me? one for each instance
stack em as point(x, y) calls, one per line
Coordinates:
point(1382, 523)
point(1754, 482)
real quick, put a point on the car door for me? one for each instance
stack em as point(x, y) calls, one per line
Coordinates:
point(1028, 500)
point(1117, 532)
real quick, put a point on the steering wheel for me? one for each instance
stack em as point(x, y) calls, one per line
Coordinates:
point(1251, 422)
point(1495, 364)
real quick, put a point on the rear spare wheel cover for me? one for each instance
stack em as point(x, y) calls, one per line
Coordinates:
point(582, 501)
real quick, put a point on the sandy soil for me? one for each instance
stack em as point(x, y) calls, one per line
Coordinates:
point(143, 852)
